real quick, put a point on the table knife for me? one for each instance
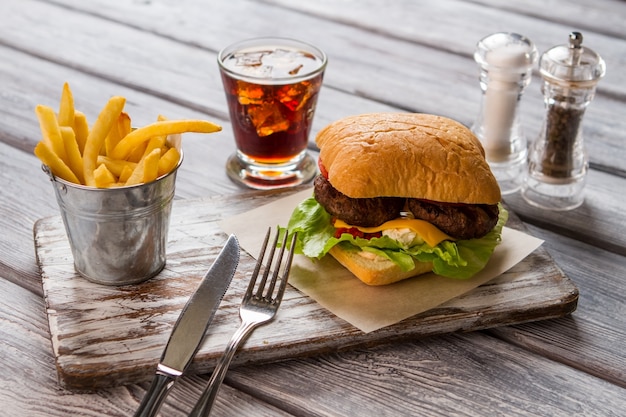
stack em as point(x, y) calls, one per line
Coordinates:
point(189, 330)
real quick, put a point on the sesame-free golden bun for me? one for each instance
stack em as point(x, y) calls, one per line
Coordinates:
point(375, 271)
point(411, 155)
point(408, 155)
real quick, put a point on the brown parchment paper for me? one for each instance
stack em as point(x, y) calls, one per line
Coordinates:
point(365, 307)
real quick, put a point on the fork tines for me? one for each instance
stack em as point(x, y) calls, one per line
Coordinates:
point(273, 265)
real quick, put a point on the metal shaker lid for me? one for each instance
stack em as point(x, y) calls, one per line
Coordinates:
point(572, 64)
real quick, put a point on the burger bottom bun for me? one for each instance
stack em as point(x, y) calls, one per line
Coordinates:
point(376, 271)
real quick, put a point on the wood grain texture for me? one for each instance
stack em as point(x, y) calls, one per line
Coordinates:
point(29, 384)
point(599, 275)
point(198, 175)
point(452, 375)
point(602, 16)
point(161, 55)
point(106, 336)
point(421, 64)
point(603, 194)
point(199, 91)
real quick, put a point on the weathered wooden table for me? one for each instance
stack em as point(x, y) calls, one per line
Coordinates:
point(393, 56)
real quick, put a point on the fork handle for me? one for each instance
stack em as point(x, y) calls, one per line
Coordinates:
point(207, 399)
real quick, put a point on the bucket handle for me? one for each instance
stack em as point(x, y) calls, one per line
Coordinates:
point(62, 188)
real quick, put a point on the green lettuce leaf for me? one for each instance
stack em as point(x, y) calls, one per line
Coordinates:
point(459, 259)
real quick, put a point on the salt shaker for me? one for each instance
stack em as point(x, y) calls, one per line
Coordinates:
point(557, 161)
point(506, 61)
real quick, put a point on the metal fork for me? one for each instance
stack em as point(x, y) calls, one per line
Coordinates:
point(257, 308)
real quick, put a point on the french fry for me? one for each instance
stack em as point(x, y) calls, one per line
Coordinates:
point(127, 171)
point(147, 169)
point(120, 129)
point(81, 129)
point(154, 143)
point(103, 177)
point(116, 166)
point(66, 107)
point(50, 130)
point(168, 161)
point(58, 168)
point(110, 153)
point(97, 136)
point(123, 124)
point(74, 158)
point(171, 141)
point(137, 152)
point(151, 165)
point(112, 138)
point(166, 127)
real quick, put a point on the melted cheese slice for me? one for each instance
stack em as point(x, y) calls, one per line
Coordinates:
point(430, 233)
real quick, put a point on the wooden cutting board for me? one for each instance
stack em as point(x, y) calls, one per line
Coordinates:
point(105, 336)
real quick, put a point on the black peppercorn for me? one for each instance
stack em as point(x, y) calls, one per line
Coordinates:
point(561, 131)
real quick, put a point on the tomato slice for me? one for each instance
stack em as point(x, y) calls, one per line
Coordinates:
point(356, 233)
point(322, 168)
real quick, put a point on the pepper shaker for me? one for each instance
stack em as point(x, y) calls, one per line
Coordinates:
point(557, 161)
point(506, 61)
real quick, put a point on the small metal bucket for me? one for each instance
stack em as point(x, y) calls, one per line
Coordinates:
point(117, 235)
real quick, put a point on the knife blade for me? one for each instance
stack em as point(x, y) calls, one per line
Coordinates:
point(189, 330)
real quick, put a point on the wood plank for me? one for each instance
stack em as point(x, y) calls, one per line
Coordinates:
point(91, 92)
point(25, 195)
point(29, 380)
point(470, 374)
point(128, 326)
point(593, 338)
point(602, 195)
point(38, 396)
point(26, 88)
point(29, 374)
point(456, 25)
point(602, 16)
point(443, 24)
point(447, 383)
point(417, 77)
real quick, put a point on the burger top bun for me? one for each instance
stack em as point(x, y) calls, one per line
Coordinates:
point(407, 155)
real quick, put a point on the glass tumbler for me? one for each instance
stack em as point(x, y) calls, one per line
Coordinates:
point(271, 86)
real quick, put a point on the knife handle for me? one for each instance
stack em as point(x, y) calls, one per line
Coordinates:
point(153, 399)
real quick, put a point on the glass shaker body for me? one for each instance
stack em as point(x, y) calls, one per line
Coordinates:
point(506, 61)
point(557, 160)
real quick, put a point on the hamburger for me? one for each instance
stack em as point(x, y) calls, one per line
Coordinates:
point(399, 195)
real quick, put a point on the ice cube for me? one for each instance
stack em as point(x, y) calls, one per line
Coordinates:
point(284, 62)
point(296, 96)
point(250, 59)
point(267, 119)
point(253, 63)
point(248, 93)
point(290, 95)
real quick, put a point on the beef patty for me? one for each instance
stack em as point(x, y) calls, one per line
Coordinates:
point(365, 212)
point(461, 221)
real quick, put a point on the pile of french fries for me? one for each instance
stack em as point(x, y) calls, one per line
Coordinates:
point(110, 153)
